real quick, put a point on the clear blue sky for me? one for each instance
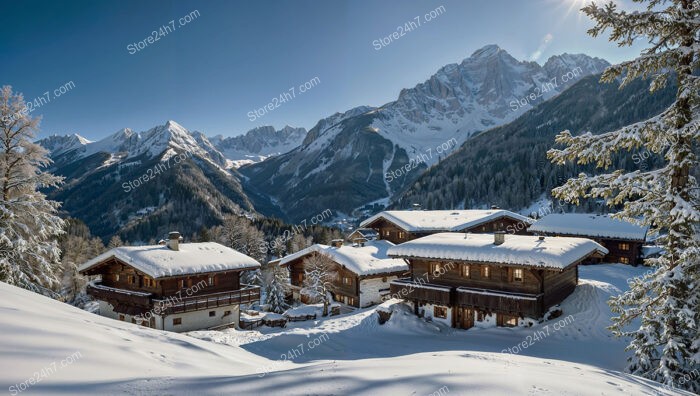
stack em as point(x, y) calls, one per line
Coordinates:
point(236, 56)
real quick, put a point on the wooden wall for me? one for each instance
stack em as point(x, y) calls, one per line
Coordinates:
point(500, 278)
point(226, 281)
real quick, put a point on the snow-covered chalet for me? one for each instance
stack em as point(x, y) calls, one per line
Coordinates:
point(467, 280)
point(172, 286)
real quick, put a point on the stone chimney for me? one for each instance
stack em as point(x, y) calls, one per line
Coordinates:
point(173, 241)
point(499, 237)
point(415, 206)
point(336, 243)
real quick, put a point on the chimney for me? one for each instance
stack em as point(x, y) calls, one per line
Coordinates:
point(162, 242)
point(173, 241)
point(336, 243)
point(415, 206)
point(494, 207)
point(499, 237)
point(541, 238)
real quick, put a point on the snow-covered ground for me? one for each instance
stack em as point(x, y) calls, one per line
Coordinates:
point(343, 355)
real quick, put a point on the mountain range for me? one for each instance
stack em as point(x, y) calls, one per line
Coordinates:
point(340, 164)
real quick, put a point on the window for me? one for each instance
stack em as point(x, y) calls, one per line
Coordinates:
point(437, 269)
point(440, 312)
point(131, 279)
point(624, 260)
point(211, 281)
point(517, 275)
point(624, 246)
point(508, 320)
point(387, 233)
point(480, 316)
point(149, 282)
point(181, 284)
point(227, 313)
point(177, 321)
point(116, 277)
point(121, 317)
point(485, 272)
point(347, 281)
point(465, 271)
point(401, 234)
point(212, 313)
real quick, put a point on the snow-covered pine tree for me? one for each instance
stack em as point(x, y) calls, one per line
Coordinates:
point(277, 284)
point(29, 253)
point(319, 275)
point(114, 242)
point(665, 345)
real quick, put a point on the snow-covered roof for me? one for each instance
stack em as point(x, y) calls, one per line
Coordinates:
point(523, 250)
point(589, 225)
point(371, 259)
point(442, 220)
point(158, 261)
point(366, 232)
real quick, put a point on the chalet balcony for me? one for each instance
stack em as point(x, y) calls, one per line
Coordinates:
point(425, 292)
point(118, 296)
point(490, 300)
point(174, 305)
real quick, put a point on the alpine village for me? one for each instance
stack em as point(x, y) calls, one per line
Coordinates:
point(507, 226)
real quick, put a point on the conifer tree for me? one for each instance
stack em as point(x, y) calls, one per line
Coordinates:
point(29, 253)
point(664, 303)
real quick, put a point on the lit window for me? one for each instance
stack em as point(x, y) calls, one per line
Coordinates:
point(508, 320)
point(437, 269)
point(211, 281)
point(624, 260)
point(149, 282)
point(517, 275)
point(347, 280)
point(485, 272)
point(387, 233)
point(440, 312)
point(181, 284)
point(131, 279)
point(624, 246)
point(465, 271)
point(401, 234)
point(480, 316)
point(116, 277)
point(177, 321)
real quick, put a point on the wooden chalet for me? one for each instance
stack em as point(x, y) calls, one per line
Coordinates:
point(399, 226)
point(467, 280)
point(364, 271)
point(623, 240)
point(172, 286)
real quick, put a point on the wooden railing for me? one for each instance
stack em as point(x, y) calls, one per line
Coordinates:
point(174, 305)
point(425, 292)
point(516, 303)
point(106, 293)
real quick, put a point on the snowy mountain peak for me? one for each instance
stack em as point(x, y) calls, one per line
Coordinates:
point(486, 51)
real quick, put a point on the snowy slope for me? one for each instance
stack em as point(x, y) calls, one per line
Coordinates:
point(259, 144)
point(352, 353)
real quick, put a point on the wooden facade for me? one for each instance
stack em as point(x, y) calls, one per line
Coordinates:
point(471, 290)
point(347, 286)
point(393, 233)
point(623, 251)
point(132, 292)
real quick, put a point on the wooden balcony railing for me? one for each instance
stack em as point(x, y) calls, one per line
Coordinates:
point(516, 303)
point(120, 296)
point(174, 305)
point(425, 292)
